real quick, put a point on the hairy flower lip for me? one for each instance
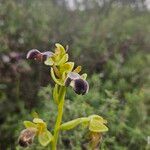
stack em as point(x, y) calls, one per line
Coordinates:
point(71, 76)
point(26, 137)
point(32, 54)
point(39, 56)
point(79, 85)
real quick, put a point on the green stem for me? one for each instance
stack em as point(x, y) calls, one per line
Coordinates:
point(59, 116)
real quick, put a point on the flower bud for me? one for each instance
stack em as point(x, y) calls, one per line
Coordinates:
point(26, 137)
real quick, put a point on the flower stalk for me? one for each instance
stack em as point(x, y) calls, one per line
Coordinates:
point(61, 99)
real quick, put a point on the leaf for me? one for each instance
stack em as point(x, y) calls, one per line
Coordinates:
point(29, 124)
point(45, 138)
point(96, 125)
point(72, 124)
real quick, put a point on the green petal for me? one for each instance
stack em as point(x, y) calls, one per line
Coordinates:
point(45, 138)
point(78, 69)
point(49, 62)
point(29, 124)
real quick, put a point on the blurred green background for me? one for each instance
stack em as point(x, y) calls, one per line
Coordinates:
point(109, 38)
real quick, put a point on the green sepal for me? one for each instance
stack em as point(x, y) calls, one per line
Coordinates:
point(55, 93)
point(60, 48)
point(98, 118)
point(73, 123)
point(38, 120)
point(57, 81)
point(62, 60)
point(96, 125)
point(67, 67)
point(45, 138)
point(29, 124)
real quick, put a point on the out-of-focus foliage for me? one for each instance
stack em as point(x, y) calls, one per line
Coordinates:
point(111, 40)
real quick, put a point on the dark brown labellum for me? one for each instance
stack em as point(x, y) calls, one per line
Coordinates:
point(81, 86)
point(26, 137)
point(32, 54)
point(37, 55)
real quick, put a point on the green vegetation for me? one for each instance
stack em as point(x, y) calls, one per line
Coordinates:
point(112, 43)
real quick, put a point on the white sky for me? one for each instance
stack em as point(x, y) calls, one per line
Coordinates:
point(148, 4)
point(71, 3)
